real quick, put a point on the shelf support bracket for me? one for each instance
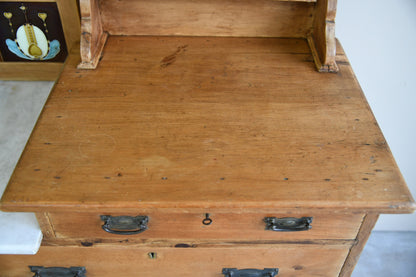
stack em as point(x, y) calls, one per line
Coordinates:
point(93, 37)
point(321, 39)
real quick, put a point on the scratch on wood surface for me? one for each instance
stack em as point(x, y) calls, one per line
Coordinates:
point(168, 60)
point(49, 220)
point(153, 164)
point(100, 145)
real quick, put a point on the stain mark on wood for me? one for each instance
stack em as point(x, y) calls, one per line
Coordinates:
point(168, 60)
point(343, 63)
point(297, 267)
point(87, 243)
point(184, 245)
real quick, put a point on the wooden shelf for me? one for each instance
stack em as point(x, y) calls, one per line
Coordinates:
point(313, 20)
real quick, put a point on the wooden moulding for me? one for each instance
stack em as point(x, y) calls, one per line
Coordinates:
point(309, 19)
point(45, 71)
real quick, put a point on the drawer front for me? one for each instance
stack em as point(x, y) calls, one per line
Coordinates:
point(226, 227)
point(292, 260)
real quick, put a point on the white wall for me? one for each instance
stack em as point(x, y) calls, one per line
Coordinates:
point(379, 37)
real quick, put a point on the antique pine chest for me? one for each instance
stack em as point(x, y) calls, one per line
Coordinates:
point(204, 143)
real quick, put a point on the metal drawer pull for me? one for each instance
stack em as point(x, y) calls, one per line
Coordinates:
point(288, 224)
point(234, 272)
point(41, 271)
point(124, 225)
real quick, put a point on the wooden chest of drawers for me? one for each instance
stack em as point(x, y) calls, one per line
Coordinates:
point(204, 156)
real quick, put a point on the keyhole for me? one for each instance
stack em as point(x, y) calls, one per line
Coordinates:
point(207, 220)
point(152, 255)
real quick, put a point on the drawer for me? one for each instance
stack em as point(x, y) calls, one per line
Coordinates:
point(184, 226)
point(292, 260)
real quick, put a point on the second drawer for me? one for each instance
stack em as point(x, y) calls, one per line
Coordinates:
point(104, 261)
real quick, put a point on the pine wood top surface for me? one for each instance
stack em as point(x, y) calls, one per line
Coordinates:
point(225, 123)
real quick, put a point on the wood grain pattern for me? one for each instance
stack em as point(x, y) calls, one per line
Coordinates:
point(30, 71)
point(189, 227)
point(70, 19)
point(262, 18)
point(45, 225)
point(306, 260)
point(314, 20)
point(369, 222)
point(231, 124)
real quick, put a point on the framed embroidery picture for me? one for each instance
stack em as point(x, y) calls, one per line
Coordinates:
point(36, 37)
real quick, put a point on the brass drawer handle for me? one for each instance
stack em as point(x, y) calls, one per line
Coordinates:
point(124, 225)
point(41, 271)
point(288, 224)
point(233, 272)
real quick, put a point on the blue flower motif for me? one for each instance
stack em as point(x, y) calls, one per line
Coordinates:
point(12, 45)
point(54, 48)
